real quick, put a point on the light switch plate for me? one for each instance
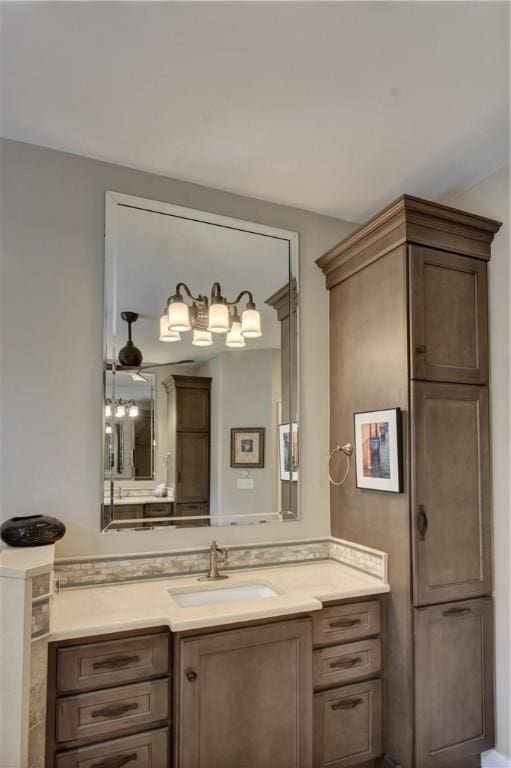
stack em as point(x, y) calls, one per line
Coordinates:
point(245, 484)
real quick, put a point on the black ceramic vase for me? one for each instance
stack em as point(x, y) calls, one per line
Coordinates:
point(32, 531)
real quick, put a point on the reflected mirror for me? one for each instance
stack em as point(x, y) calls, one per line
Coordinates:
point(200, 411)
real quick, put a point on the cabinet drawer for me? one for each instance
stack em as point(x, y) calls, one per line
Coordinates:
point(348, 725)
point(128, 511)
point(102, 665)
point(347, 663)
point(107, 713)
point(145, 750)
point(157, 510)
point(346, 622)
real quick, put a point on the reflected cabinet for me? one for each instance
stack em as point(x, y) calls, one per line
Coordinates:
point(409, 330)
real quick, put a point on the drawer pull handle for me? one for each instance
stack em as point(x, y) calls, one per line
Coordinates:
point(456, 611)
point(344, 623)
point(115, 711)
point(191, 675)
point(346, 663)
point(115, 762)
point(421, 349)
point(347, 704)
point(117, 663)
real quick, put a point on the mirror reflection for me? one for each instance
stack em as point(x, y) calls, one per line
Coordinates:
point(201, 371)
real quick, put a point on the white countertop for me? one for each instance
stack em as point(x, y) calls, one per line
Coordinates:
point(25, 562)
point(140, 500)
point(135, 605)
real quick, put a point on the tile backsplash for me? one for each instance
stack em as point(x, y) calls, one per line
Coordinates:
point(81, 572)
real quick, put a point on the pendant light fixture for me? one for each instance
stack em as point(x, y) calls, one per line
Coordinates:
point(130, 355)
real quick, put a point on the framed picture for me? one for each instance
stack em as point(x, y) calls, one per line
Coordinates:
point(247, 447)
point(288, 450)
point(378, 457)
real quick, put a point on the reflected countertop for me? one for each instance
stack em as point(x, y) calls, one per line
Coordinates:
point(140, 500)
point(302, 588)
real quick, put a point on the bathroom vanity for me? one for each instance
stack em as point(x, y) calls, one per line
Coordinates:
point(290, 688)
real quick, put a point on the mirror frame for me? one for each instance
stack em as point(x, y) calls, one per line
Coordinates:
point(116, 200)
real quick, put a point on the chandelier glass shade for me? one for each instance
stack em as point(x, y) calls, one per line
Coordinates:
point(178, 316)
point(165, 333)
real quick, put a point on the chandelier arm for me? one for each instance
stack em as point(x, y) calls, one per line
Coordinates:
point(238, 298)
point(187, 290)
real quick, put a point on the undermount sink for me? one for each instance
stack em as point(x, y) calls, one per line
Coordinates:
point(210, 595)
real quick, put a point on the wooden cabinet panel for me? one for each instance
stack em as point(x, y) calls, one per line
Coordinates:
point(90, 716)
point(346, 622)
point(454, 681)
point(158, 510)
point(449, 323)
point(192, 409)
point(145, 750)
point(192, 467)
point(128, 511)
point(348, 725)
point(346, 663)
point(192, 510)
point(245, 698)
point(451, 493)
point(114, 662)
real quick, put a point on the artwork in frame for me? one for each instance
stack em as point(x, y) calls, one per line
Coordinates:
point(378, 454)
point(288, 450)
point(247, 447)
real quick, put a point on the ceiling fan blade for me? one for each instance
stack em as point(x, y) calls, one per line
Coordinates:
point(160, 365)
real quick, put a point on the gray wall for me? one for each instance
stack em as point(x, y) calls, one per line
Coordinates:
point(243, 394)
point(51, 319)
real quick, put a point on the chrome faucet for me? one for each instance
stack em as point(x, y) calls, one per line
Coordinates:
point(217, 556)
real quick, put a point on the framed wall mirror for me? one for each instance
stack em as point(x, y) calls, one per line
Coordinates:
point(201, 369)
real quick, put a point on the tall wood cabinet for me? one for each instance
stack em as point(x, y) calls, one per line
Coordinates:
point(409, 329)
point(188, 444)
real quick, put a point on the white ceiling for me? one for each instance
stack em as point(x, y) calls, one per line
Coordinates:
point(333, 107)
point(155, 252)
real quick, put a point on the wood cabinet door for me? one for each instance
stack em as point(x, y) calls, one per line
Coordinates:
point(449, 317)
point(192, 408)
point(348, 725)
point(192, 482)
point(450, 493)
point(454, 681)
point(245, 698)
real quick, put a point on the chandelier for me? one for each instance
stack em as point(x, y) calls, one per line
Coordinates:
point(204, 317)
point(121, 408)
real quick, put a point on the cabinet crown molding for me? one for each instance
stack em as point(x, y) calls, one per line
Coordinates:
point(408, 220)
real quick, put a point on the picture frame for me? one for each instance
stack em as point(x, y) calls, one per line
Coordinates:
point(247, 447)
point(289, 451)
point(378, 450)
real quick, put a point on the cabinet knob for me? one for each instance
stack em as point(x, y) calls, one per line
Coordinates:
point(191, 675)
point(421, 350)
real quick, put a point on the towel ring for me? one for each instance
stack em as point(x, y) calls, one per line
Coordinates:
point(347, 449)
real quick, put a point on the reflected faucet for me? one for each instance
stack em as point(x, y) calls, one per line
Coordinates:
point(217, 556)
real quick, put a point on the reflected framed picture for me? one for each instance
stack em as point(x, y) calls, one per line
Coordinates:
point(247, 447)
point(288, 450)
point(378, 450)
